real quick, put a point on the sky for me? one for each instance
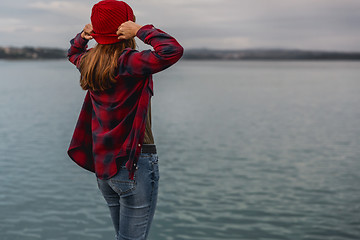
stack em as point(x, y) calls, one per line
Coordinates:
point(330, 25)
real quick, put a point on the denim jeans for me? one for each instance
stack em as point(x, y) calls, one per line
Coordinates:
point(132, 202)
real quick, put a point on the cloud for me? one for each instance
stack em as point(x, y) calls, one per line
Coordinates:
point(9, 25)
point(73, 8)
point(12, 25)
point(323, 24)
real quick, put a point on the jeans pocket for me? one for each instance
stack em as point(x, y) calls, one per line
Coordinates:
point(121, 183)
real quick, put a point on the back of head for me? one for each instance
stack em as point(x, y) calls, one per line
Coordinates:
point(99, 64)
point(106, 17)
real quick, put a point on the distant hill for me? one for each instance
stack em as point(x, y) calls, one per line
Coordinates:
point(31, 53)
point(268, 54)
point(197, 54)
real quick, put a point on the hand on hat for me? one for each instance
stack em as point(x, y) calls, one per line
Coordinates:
point(128, 30)
point(87, 31)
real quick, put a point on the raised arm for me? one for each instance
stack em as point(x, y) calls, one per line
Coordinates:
point(79, 45)
point(167, 51)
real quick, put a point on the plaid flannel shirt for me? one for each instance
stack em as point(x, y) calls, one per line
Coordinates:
point(111, 125)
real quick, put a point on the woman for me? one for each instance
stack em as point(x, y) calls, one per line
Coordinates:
point(113, 136)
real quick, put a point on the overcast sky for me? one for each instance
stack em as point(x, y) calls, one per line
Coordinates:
point(219, 24)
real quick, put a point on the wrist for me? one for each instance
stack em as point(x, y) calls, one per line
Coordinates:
point(137, 29)
point(144, 31)
point(82, 34)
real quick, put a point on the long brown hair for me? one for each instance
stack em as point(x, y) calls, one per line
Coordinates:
point(98, 65)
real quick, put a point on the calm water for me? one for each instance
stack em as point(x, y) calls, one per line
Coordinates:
point(248, 150)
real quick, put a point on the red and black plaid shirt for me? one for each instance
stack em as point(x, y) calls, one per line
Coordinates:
point(111, 124)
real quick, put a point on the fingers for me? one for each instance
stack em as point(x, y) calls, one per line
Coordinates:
point(124, 34)
point(121, 34)
point(124, 37)
point(122, 28)
point(126, 30)
point(86, 34)
point(88, 29)
point(118, 32)
point(88, 37)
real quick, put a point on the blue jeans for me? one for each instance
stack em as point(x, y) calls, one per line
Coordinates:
point(132, 202)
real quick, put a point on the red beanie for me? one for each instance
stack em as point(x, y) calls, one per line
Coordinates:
point(106, 17)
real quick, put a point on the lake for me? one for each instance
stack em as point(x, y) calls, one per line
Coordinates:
point(247, 150)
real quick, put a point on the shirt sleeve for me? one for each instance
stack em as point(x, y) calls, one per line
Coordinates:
point(77, 49)
point(167, 51)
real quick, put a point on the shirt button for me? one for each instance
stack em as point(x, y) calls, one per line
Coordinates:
point(139, 145)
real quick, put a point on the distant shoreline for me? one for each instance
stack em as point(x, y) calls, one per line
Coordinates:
point(269, 54)
point(38, 53)
point(31, 53)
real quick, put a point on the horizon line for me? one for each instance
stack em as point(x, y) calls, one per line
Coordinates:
point(216, 49)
